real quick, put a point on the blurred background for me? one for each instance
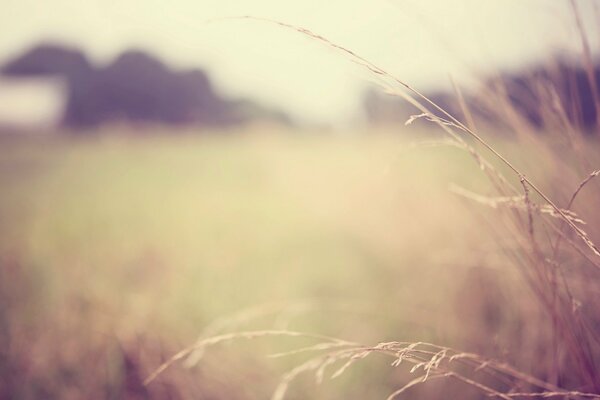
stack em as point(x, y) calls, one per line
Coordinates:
point(182, 170)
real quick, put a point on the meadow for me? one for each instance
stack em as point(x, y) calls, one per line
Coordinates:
point(451, 257)
point(120, 249)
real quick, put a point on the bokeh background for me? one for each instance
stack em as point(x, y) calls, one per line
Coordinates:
point(176, 171)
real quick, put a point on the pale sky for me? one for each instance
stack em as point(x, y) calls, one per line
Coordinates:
point(420, 41)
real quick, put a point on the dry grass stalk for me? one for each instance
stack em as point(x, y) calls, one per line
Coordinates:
point(440, 121)
point(587, 58)
point(560, 236)
point(516, 202)
point(435, 361)
point(211, 341)
point(543, 274)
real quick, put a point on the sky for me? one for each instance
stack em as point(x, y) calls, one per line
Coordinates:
point(423, 42)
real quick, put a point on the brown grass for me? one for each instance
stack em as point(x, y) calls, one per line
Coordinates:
point(535, 337)
point(564, 282)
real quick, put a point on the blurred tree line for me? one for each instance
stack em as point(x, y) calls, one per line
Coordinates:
point(538, 96)
point(135, 87)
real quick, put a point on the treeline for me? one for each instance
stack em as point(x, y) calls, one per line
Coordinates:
point(135, 87)
point(138, 87)
point(538, 96)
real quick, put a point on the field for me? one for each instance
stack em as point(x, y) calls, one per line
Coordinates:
point(118, 250)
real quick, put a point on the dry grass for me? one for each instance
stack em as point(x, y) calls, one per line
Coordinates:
point(526, 312)
point(564, 285)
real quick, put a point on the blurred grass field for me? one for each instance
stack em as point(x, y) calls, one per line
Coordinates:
point(162, 234)
point(233, 221)
point(147, 242)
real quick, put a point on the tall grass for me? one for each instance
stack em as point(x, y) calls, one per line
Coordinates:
point(558, 262)
point(528, 312)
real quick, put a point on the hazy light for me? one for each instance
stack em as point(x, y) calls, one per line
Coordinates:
point(423, 41)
